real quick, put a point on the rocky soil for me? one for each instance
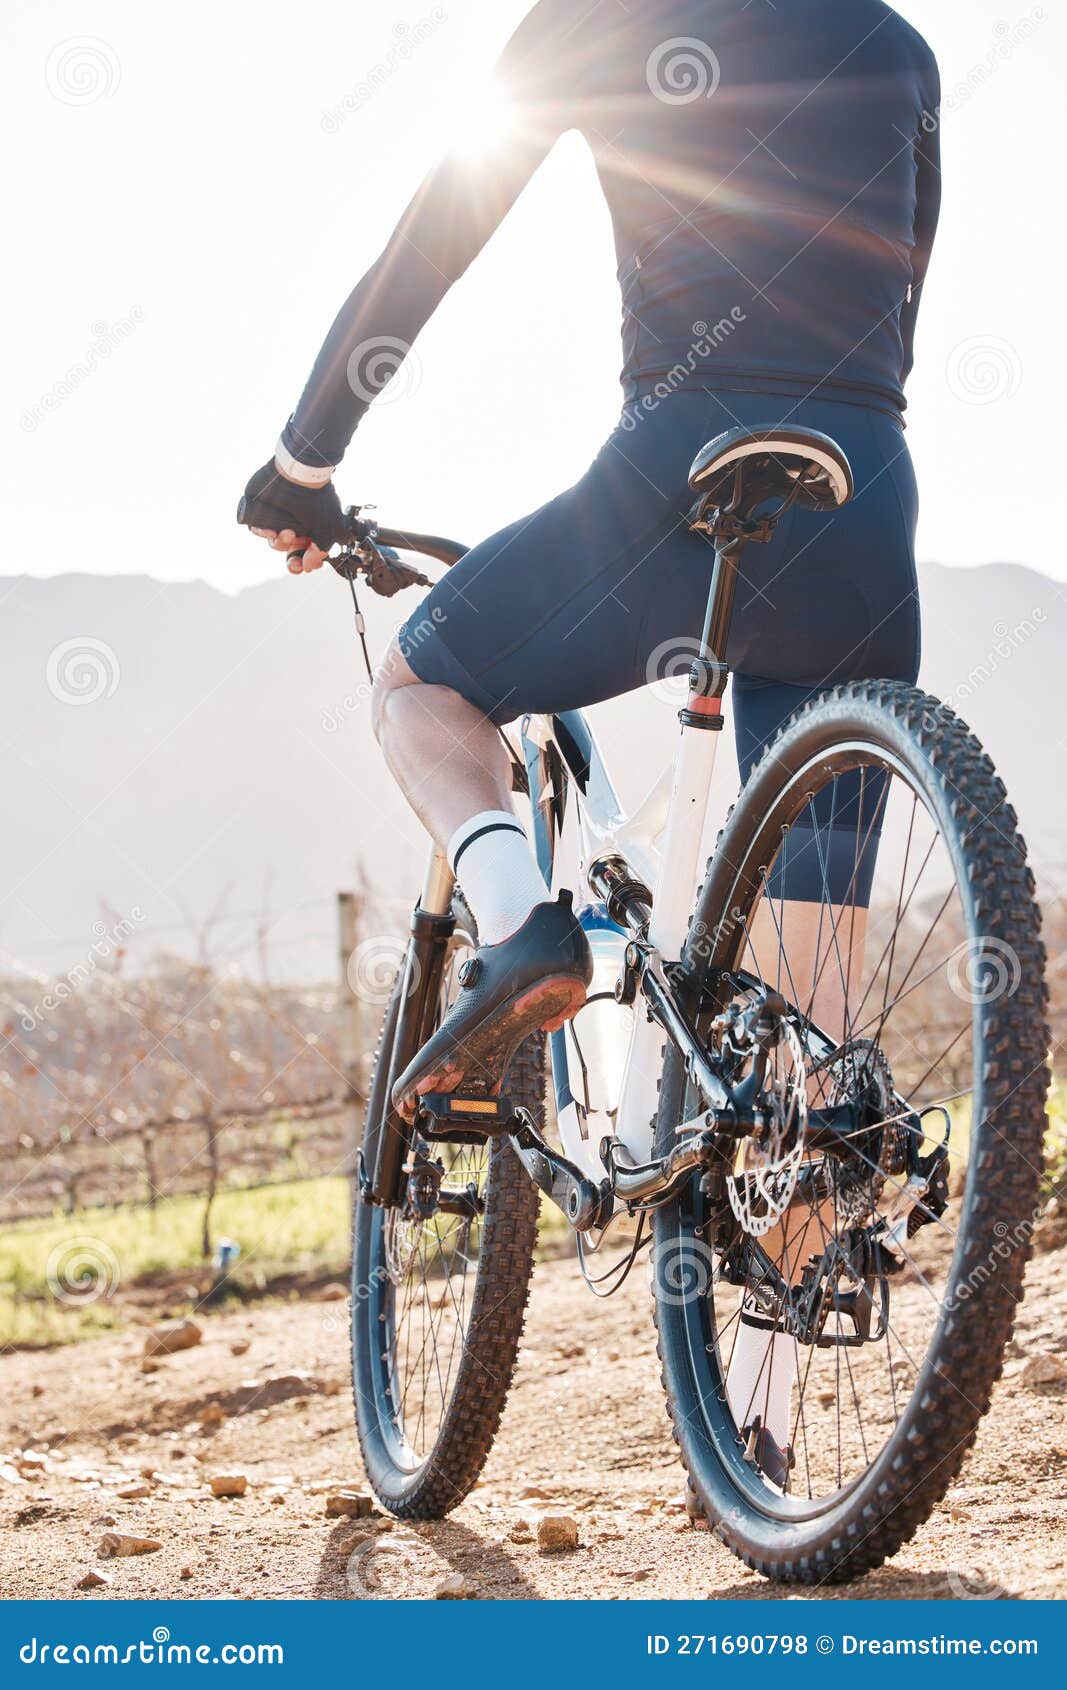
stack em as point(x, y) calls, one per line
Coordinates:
point(230, 1468)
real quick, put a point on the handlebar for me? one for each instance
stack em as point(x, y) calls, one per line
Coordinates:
point(364, 531)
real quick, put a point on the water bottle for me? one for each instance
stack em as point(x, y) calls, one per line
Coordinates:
point(600, 1033)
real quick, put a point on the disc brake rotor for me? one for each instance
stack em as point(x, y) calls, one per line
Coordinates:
point(763, 1187)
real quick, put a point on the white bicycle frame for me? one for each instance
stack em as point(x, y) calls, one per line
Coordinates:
point(660, 844)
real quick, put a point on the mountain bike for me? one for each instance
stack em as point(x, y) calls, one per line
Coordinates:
point(836, 1137)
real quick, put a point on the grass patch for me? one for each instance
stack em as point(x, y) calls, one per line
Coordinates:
point(64, 1278)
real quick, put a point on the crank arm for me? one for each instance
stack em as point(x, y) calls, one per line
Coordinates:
point(584, 1204)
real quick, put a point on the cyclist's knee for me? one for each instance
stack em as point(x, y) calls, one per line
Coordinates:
point(395, 672)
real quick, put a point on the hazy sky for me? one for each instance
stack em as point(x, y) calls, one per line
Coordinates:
point(199, 188)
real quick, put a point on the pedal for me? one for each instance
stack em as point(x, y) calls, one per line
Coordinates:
point(451, 1114)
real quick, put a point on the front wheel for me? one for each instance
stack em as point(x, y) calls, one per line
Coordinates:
point(440, 1282)
point(841, 1294)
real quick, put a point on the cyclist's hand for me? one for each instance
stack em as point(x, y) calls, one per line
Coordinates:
point(291, 517)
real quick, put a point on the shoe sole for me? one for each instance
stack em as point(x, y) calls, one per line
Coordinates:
point(488, 1048)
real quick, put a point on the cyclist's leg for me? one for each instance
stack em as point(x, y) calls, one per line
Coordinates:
point(845, 590)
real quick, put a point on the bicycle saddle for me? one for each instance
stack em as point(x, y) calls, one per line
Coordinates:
point(744, 467)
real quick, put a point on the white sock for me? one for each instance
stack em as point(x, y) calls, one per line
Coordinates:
point(496, 869)
point(760, 1381)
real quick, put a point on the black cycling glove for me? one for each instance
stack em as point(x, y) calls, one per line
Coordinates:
point(272, 501)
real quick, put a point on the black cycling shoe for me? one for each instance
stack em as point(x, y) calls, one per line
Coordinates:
point(774, 1462)
point(536, 978)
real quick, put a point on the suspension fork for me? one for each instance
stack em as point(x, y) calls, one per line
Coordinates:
point(389, 1137)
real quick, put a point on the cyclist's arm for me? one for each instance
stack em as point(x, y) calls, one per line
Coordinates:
point(927, 212)
point(456, 209)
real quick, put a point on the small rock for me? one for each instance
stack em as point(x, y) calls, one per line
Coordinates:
point(240, 1346)
point(165, 1340)
point(104, 1520)
point(149, 1366)
point(456, 1588)
point(186, 1573)
point(213, 1414)
point(334, 1293)
point(521, 1532)
point(115, 1544)
point(332, 1387)
point(1044, 1370)
point(557, 1533)
point(36, 1390)
point(348, 1505)
point(228, 1484)
point(132, 1493)
point(90, 1580)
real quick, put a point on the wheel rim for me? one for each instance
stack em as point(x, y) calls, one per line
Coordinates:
point(916, 1014)
point(421, 1283)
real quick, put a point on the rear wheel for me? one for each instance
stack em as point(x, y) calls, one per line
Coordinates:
point(879, 1263)
point(440, 1283)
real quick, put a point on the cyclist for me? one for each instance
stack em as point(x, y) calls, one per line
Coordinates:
point(772, 175)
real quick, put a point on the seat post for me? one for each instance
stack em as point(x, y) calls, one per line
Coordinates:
point(709, 674)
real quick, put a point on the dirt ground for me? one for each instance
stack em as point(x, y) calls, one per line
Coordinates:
point(585, 1435)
